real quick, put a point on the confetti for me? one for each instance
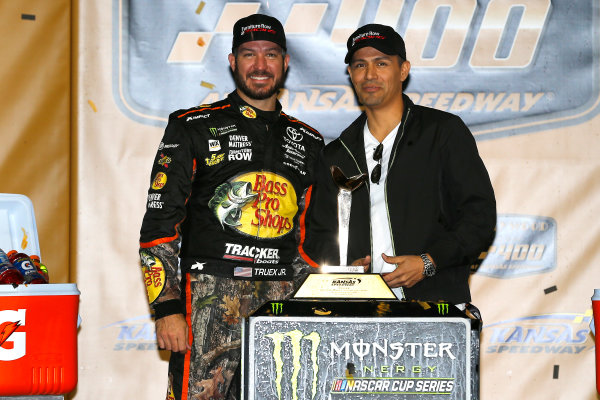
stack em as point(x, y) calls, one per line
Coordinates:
point(24, 241)
point(30, 17)
point(207, 85)
point(200, 41)
point(550, 289)
point(424, 304)
point(200, 7)
point(91, 103)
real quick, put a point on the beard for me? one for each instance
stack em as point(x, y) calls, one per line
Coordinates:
point(260, 93)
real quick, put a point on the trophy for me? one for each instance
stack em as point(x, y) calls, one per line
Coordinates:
point(344, 281)
point(344, 199)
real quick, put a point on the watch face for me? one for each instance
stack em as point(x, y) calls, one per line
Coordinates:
point(429, 269)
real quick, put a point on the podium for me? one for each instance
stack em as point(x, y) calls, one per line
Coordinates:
point(360, 349)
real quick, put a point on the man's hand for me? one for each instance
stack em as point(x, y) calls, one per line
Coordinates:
point(172, 333)
point(365, 262)
point(408, 272)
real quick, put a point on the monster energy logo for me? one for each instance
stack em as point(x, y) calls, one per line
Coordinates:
point(213, 131)
point(296, 337)
point(442, 308)
point(277, 308)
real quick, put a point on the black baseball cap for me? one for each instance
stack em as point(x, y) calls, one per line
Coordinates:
point(258, 27)
point(381, 37)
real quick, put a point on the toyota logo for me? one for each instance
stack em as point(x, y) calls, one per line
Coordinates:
point(293, 134)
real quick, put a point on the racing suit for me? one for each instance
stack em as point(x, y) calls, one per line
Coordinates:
point(227, 184)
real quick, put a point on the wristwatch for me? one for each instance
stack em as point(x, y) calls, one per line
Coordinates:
point(429, 267)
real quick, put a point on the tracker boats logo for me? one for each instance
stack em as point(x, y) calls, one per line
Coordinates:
point(494, 63)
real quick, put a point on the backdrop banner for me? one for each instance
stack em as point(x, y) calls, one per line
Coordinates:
point(522, 74)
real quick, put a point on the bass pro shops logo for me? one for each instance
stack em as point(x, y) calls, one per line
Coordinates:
point(258, 204)
point(494, 63)
point(12, 343)
point(294, 342)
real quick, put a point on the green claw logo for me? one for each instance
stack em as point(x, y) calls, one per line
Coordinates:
point(277, 308)
point(296, 337)
point(442, 308)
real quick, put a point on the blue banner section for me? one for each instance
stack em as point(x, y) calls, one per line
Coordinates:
point(524, 245)
point(505, 67)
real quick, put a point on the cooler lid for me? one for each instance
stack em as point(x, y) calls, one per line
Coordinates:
point(54, 289)
point(18, 230)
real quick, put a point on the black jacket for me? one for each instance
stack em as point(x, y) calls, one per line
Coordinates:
point(439, 198)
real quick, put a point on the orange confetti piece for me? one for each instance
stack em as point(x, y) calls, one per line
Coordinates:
point(200, 7)
point(207, 85)
point(24, 241)
point(91, 103)
point(201, 41)
point(424, 304)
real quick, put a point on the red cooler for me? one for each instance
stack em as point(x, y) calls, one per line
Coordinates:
point(38, 339)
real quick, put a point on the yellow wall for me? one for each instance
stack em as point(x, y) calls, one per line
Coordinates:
point(35, 75)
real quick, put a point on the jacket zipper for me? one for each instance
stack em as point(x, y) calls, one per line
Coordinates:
point(262, 186)
point(387, 210)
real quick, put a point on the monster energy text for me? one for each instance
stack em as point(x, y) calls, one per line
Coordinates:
point(393, 350)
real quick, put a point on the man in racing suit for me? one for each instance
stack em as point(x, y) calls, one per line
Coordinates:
point(227, 184)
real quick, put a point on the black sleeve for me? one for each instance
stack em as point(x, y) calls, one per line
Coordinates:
point(170, 185)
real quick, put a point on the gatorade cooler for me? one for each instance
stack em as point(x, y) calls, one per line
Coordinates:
point(38, 339)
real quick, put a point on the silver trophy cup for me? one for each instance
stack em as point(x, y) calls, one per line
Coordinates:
point(345, 186)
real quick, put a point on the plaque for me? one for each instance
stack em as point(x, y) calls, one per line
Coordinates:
point(345, 286)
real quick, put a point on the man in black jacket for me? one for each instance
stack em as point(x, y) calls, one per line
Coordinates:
point(428, 209)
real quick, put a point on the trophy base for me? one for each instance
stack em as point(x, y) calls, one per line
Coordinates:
point(345, 286)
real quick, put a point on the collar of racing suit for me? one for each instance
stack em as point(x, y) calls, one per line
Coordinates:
point(269, 116)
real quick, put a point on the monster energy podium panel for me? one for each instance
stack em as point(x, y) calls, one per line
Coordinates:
point(349, 349)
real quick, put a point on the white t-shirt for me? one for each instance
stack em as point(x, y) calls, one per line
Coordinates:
point(380, 226)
